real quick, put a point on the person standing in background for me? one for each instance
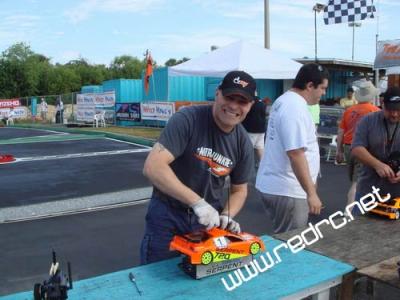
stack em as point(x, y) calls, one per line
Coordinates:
point(43, 109)
point(288, 171)
point(365, 95)
point(255, 124)
point(349, 100)
point(315, 112)
point(59, 110)
point(376, 144)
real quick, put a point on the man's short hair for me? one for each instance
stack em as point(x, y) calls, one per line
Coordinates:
point(312, 72)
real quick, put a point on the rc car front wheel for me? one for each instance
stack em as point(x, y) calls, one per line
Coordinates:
point(37, 291)
point(206, 258)
point(397, 215)
point(254, 248)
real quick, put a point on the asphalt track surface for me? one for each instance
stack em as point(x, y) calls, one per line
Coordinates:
point(60, 169)
point(101, 241)
point(9, 132)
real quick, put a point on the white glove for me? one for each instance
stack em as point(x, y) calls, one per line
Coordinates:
point(208, 215)
point(228, 223)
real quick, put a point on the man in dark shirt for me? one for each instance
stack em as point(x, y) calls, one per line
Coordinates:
point(255, 124)
point(198, 148)
point(376, 140)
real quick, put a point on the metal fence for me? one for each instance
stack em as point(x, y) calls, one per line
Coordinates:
point(68, 99)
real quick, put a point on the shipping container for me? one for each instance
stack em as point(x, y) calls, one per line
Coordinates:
point(126, 90)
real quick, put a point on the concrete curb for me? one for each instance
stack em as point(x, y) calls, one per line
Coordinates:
point(74, 205)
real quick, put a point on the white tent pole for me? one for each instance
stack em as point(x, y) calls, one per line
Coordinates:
point(266, 24)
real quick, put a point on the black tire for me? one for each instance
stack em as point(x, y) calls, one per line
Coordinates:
point(37, 291)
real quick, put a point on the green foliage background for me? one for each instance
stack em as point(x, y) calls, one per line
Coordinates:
point(25, 73)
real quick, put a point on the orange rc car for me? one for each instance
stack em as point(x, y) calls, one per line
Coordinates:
point(389, 209)
point(216, 245)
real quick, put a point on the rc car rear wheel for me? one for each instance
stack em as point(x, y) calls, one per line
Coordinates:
point(206, 258)
point(254, 248)
point(397, 215)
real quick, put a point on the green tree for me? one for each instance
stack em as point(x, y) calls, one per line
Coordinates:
point(89, 74)
point(19, 72)
point(25, 73)
point(126, 66)
point(44, 69)
point(63, 80)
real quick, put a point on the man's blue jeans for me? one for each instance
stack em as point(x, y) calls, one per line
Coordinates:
point(163, 222)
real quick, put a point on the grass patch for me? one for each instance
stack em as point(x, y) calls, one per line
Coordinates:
point(144, 132)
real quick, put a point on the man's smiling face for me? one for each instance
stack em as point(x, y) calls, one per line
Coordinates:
point(230, 110)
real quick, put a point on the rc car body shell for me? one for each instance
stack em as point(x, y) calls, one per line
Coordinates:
point(6, 158)
point(216, 245)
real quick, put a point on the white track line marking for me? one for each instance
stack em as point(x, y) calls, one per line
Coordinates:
point(77, 212)
point(131, 143)
point(78, 155)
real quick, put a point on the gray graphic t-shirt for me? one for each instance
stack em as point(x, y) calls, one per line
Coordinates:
point(205, 155)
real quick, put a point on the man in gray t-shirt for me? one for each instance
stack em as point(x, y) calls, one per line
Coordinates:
point(377, 137)
point(197, 150)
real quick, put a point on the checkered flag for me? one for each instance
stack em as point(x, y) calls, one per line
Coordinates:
point(346, 11)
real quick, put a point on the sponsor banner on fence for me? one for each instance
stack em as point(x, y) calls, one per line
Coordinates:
point(159, 111)
point(388, 54)
point(85, 114)
point(90, 104)
point(20, 112)
point(7, 103)
point(106, 99)
point(127, 111)
point(109, 115)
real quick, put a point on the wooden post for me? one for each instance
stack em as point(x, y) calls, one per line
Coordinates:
point(346, 288)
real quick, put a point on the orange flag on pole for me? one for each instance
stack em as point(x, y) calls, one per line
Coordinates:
point(149, 71)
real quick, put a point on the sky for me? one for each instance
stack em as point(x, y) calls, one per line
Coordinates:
point(99, 30)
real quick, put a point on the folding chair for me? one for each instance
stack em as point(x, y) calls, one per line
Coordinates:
point(99, 118)
point(10, 121)
point(332, 149)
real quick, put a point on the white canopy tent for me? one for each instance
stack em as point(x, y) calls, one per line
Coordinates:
point(259, 62)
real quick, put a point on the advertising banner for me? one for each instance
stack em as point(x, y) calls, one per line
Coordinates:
point(127, 111)
point(159, 111)
point(85, 114)
point(20, 112)
point(7, 103)
point(388, 54)
point(90, 104)
point(106, 99)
